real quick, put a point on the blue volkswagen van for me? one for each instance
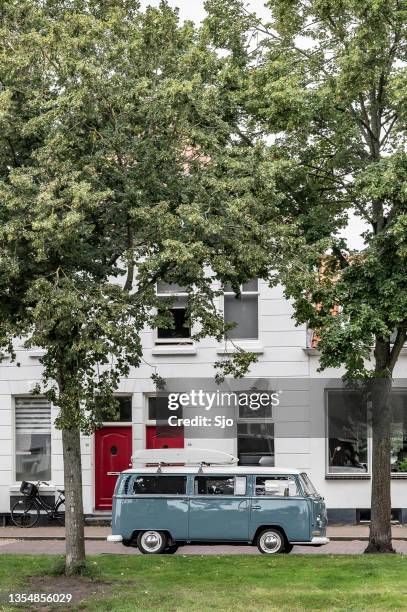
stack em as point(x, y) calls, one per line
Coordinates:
point(158, 510)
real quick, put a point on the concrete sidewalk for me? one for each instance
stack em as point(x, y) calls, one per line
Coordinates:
point(57, 547)
point(335, 533)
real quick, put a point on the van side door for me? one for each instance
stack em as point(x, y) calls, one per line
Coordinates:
point(156, 501)
point(278, 500)
point(219, 508)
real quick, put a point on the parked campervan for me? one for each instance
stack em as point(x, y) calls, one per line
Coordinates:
point(206, 497)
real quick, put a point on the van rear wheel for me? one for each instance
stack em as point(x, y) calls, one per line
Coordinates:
point(270, 541)
point(152, 542)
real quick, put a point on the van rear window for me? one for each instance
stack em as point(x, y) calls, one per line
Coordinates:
point(160, 485)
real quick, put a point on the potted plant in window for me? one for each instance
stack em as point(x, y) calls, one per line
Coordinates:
point(400, 466)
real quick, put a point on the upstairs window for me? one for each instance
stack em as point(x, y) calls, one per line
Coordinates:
point(243, 310)
point(180, 330)
point(33, 439)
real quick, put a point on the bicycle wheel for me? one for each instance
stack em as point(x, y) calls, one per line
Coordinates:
point(59, 513)
point(25, 513)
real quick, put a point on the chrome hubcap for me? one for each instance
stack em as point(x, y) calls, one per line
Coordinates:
point(151, 540)
point(270, 542)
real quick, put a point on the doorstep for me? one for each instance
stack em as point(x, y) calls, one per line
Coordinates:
point(335, 533)
point(99, 518)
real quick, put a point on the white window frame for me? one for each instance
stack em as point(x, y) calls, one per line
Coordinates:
point(261, 420)
point(243, 293)
point(341, 475)
point(400, 390)
point(121, 423)
point(147, 397)
point(171, 342)
point(14, 442)
point(146, 420)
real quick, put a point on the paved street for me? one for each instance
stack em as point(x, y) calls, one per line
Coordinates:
point(352, 532)
point(346, 539)
point(97, 547)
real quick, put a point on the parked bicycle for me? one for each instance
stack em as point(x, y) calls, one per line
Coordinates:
point(26, 511)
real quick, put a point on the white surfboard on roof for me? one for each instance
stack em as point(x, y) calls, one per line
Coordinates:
point(186, 456)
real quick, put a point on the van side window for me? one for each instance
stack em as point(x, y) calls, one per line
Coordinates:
point(159, 485)
point(214, 485)
point(276, 486)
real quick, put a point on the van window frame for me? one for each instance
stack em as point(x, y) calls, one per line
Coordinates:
point(220, 475)
point(294, 477)
point(131, 492)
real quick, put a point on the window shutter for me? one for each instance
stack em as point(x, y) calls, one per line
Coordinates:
point(33, 415)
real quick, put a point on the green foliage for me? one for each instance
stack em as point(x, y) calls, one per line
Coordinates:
point(326, 90)
point(121, 142)
point(236, 365)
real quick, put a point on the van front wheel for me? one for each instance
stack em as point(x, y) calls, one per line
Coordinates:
point(152, 542)
point(270, 542)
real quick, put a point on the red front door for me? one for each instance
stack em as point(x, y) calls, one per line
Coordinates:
point(165, 437)
point(112, 455)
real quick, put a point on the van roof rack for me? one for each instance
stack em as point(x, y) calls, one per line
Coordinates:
point(182, 456)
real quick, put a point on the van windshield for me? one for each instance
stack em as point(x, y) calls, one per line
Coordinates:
point(307, 485)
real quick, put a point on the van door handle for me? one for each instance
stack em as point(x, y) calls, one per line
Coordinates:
point(256, 507)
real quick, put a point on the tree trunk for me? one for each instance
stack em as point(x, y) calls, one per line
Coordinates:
point(380, 539)
point(74, 522)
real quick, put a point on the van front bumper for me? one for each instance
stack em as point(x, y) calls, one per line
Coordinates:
point(315, 541)
point(115, 538)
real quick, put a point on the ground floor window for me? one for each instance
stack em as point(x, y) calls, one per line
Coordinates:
point(33, 439)
point(159, 411)
point(399, 431)
point(118, 412)
point(347, 431)
point(255, 443)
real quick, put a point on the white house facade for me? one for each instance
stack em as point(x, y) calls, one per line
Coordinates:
point(319, 426)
